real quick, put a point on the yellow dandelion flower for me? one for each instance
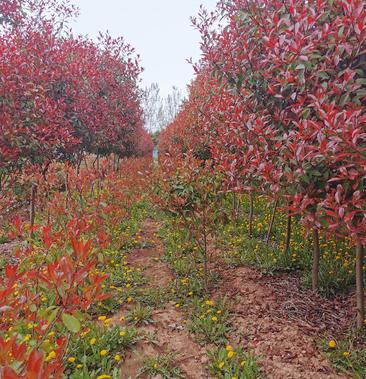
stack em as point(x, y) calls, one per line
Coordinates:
point(332, 344)
point(230, 354)
point(117, 357)
point(103, 353)
point(51, 355)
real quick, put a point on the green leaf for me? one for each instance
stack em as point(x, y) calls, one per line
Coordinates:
point(306, 113)
point(71, 322)
point(52, 316)
point(361, 81)
point(341, 31)
point(100, 258)
point(323, 75)
point(33, 308)
point(300, 66)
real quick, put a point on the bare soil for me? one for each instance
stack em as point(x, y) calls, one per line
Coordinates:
point(265, 321)
point(286, 349)
point(171, 335)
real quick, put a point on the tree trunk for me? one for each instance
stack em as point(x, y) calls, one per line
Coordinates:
point(271, 222)
point(86, 162)
point(360, 286)
point(32, 210)
point(78, 165)
point(288, 233)
point(67, 189)
point(316, 260)
point(205, 262)
point(251, 213)
point(236, 207)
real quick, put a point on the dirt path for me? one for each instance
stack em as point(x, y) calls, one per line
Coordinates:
point(168, 327)
point(284, 347)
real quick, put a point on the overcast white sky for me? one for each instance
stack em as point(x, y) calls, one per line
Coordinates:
point(160, 30)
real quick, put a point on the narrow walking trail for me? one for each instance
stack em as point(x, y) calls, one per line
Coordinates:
point(168, 330)
point(283, 347)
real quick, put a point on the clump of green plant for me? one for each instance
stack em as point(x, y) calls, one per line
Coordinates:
point(184, 290)
point(154, 297)
point(123, 281)
point(98, 350)
point(348, 354)
point(140, 315)
point(2, 265)
point(227, 362)
point(150, 337)
point(162, 364)
point(209, 321)
point(4, 239)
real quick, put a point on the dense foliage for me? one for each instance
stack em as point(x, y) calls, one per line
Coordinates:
point(278, 106)
point(63, 96)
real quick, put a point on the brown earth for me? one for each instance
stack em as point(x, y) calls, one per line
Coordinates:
point(168, 326)
point(286, 349)
point(285, 345)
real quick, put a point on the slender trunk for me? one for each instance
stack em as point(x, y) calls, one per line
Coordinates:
point(251, 213)
point(119, 165)
point(288, 233)
point(316, 260)
point(272, 221)
point(47, 191)
point(235, 207)
point(114, 162)
point(204, 224)
point(94, 162)
point(98, 175)
point(360, 285)
point(67, 189)
point(86, 162)
point(205, 261)
point(32, 210)
point(238, 207)
point(78, 165)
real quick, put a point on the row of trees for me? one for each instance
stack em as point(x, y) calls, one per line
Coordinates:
point(278, 105)
point(62, 96)
point(160, 111)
